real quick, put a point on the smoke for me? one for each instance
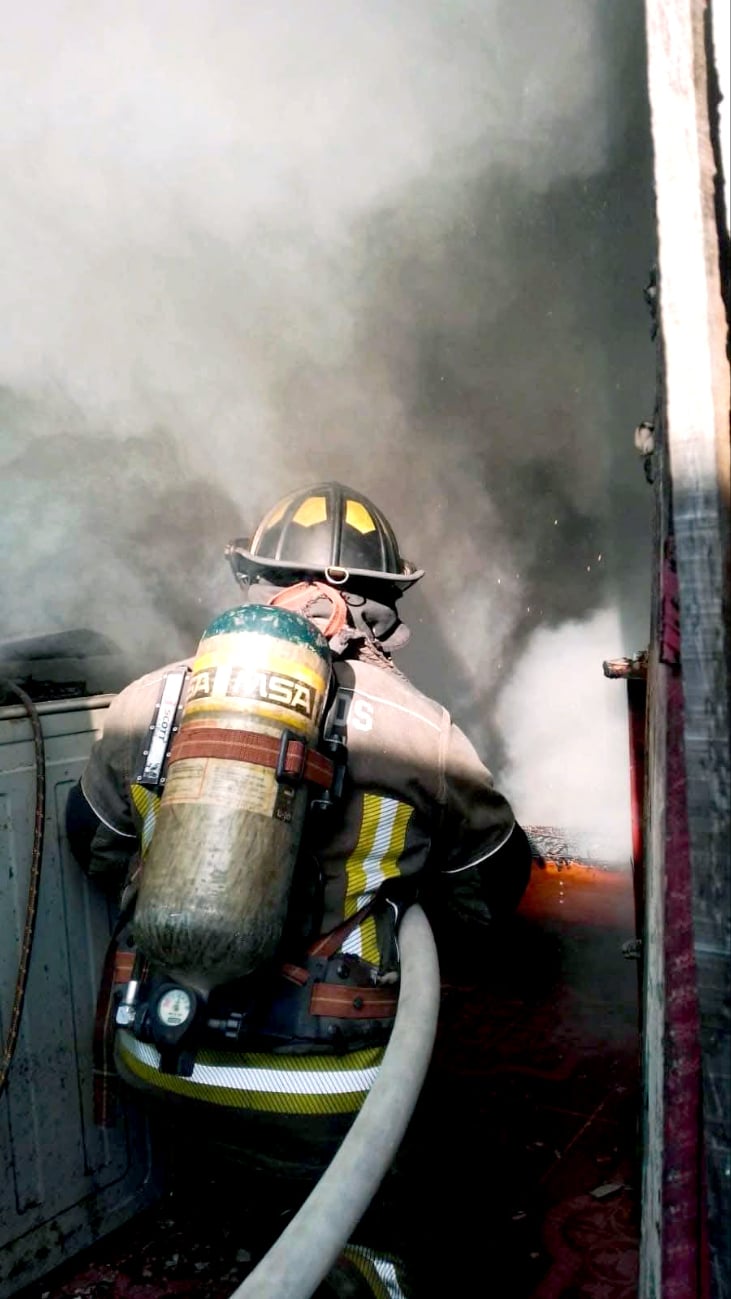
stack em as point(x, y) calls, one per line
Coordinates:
point(567, 740)
point(398, 244)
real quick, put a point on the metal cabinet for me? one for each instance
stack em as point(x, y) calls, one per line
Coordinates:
point(63, 1181)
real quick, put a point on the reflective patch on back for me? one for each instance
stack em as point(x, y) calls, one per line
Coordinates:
point(375, 859)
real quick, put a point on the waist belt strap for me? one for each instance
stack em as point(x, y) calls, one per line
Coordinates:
point(329, 944)
point(292, 760)
point(117, 970)
point(352, 1003)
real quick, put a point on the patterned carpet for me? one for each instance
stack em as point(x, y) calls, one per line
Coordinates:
point(518, 1178)
point(536, 1081)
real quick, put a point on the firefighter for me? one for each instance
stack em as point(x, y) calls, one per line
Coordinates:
point(417, 810)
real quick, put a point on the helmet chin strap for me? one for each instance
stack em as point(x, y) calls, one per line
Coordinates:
point(305, 595)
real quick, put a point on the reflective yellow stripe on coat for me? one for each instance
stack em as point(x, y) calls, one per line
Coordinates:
point(375, 858)
point(147, 804)
point(275, 1084)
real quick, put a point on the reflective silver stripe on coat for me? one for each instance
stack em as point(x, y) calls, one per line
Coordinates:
point(386, 1271)
point(123, 834)
point(314, 1082)
point(477, 861)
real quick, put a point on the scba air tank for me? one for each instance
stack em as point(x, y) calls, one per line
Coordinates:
point(217, 874)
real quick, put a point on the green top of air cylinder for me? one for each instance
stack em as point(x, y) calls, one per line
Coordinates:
point(282, 624)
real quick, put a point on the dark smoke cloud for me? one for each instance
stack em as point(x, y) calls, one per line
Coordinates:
point(100, 541)
point(402, 245)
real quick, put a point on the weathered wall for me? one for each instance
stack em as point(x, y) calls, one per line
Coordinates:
point(689, 983)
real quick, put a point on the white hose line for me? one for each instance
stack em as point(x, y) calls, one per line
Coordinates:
point(307, 1248)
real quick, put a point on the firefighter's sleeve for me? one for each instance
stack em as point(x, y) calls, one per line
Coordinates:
point(486, 857)
point(104, 787)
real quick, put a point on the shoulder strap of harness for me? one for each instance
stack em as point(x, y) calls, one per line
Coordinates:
point(164, 725)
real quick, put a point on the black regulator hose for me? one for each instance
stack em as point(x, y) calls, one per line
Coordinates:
point(31, 910)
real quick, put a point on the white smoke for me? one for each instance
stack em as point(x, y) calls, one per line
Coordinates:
point(179, 181)
point(567, 730)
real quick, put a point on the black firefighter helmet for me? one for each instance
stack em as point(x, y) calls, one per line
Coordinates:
point(326, 531)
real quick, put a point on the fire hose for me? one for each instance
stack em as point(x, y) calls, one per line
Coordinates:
point(307, 1248)
point(33, 882)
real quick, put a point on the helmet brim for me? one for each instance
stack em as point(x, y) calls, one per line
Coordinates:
point(247, 567)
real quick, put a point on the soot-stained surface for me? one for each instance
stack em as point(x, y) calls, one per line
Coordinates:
point(519, 1177)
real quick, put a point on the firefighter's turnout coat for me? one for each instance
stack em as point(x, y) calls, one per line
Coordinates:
point(417, 803)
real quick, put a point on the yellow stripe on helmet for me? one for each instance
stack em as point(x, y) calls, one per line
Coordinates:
point(312, 510)
point(357, 516)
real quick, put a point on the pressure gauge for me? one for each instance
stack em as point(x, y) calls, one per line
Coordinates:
point(175, 1007)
